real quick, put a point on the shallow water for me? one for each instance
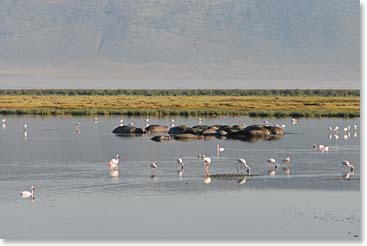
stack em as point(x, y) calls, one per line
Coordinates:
point(77, 196)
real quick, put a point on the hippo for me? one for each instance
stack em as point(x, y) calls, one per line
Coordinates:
point(186, 136)
point(157, 128)
point(161, 138)
point(209, 132)
point(178, 129)
point(276, 130)
point(127, 130)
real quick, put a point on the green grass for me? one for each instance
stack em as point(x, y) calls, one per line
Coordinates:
point(209, 105)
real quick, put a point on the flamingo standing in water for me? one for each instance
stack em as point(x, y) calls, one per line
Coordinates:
point(272, 171)
point(180, 167)
point(154, 165)
point(25, 130)
point(219, 149)
point(28, 194)
point(242, 164)
point(153, 175)
point(77, 127)
point(114, 163)
point(286, 164)
point(207, 162)
point(348, 164)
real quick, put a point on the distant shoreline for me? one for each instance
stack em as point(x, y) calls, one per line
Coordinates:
point(160, 103)
point(185, 92)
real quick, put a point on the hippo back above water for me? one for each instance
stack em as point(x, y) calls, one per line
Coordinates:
point(157, 128)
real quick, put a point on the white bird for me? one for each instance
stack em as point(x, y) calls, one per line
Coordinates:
point(330, 128)
point(287, 160)
point(147, 120)
point(200, 119)
point(266, 122)
point(28, 194)
point(219, 149)
point(114, 162)
point(336, 128)
point(345, 129)
point(77, 128)
point(131, 124)
point(207, 162)
point(25, 127)
point(154, 165)
point(172, 120)
point(294, 121)
point(180, 164)
point(282, 126)
point(355, 127)
point(348, 164)
point(121, 122)
point(243, 164)
point(95, 119)
point(272, 171)
point(4, 121)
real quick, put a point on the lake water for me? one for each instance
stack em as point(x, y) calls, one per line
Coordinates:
point(76, 197)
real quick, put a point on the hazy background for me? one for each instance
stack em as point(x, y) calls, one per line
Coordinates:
point(179, 44)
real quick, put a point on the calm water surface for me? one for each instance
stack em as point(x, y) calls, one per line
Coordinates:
point(76, 197)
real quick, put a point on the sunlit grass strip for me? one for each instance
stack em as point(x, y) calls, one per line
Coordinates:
point(254, 106)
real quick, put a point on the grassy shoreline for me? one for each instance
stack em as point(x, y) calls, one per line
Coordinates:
point(206, 105)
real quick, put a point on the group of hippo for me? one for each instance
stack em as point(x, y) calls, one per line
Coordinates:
point(183, 132)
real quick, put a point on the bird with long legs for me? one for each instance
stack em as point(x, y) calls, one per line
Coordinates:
point(348, 165)
point(286, 166)
point(272, 170)
point(28, 194)
point(114, 163)
point(207, 162)
point(242, 164)
point(180, 167)
point(219, 149)
point(153, 174)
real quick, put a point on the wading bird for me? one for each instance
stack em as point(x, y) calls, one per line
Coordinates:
point(219, 149)
point(28, 194)
point(348, 164)
point(154, 165)
point(180, 164)
point(114, 163)
point(241, 164)
point(272, 171)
